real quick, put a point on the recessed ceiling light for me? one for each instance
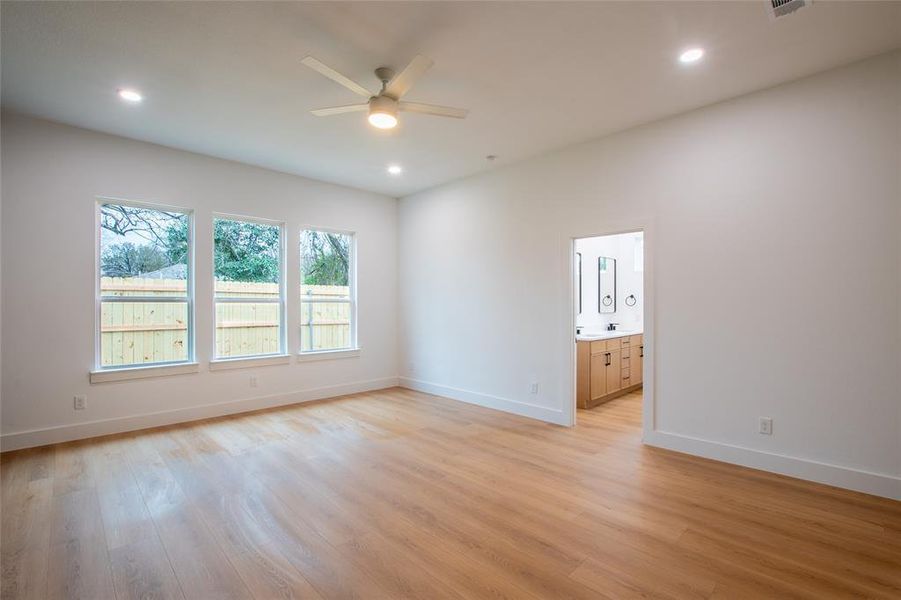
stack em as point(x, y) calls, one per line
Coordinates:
point(395, 169)
point(130, 95)
point(691, 55)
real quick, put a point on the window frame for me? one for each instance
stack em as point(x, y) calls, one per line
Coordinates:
point(99, 299)
point(354, 347)
point(282, 285)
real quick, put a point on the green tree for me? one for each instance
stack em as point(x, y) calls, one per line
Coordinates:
point(176, 242)
point(246, 251)
point(243, 251)
point(326, 258)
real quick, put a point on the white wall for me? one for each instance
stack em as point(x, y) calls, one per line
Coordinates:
point(51, 176)
point(773, 245)
point(629, 281)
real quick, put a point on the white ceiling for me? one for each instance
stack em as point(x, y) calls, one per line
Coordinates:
point(225, 79)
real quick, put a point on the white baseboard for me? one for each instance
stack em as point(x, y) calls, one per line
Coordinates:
point(877, 484)
point(66, 433)
point(542, 413)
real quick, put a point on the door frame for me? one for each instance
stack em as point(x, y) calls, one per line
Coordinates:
point(648, 405)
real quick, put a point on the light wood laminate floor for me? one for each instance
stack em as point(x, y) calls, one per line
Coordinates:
point(397, 494)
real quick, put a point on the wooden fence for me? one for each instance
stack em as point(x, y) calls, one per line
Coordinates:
point(148, 332)
point(324, 317)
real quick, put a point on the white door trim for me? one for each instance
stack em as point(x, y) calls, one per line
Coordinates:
point(568, 324)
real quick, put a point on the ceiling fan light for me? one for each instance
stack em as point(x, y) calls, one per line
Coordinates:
point(382, 120)
point(383, 112)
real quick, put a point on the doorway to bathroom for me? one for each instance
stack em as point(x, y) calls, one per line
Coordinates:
point(609, 320)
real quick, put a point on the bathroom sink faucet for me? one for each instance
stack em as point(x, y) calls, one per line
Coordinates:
point(612, 326)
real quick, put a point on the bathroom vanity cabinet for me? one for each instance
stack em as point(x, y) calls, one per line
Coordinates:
point(608, 368)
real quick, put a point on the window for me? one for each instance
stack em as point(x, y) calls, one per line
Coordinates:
point(249, 298)
point(638, 253)
point(145, 285)
point(327, 291)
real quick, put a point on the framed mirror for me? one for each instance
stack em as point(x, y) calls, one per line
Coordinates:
point(606, 285)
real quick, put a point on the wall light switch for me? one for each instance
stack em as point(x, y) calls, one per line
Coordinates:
point(253, 381)
point(81, 402)
point(766, 425)
point(534, 387)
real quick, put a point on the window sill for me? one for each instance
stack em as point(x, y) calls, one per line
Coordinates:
point(328, 354)
point(126, 373)
point(221, 364)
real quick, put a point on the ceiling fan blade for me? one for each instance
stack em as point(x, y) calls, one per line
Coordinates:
point(433, 109)
point(404, 80)
point(336, 76)
point(339, 110)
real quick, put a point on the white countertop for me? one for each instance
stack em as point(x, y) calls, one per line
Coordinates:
point(607, 335)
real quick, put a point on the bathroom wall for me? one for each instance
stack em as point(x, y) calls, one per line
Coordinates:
point(629, 281)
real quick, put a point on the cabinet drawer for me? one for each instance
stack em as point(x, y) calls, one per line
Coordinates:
point(625, 362)
point(627, 377)
point(627, 352)
point(625, 341)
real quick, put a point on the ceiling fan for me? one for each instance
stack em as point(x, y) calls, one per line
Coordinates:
point(384, 106)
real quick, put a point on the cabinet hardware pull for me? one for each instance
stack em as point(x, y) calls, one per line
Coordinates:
point(641, 355)
point(607, 364)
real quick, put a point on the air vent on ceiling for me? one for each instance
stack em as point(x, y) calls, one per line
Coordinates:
point(782, 8)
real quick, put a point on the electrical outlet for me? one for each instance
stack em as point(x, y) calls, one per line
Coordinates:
point(766, 425)
point(81, 402)
point(253, 381)
point(534, 387)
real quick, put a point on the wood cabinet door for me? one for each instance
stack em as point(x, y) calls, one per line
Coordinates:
point(583, 374)
point(638, 364)
point(614, 371)
point(598, 375)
